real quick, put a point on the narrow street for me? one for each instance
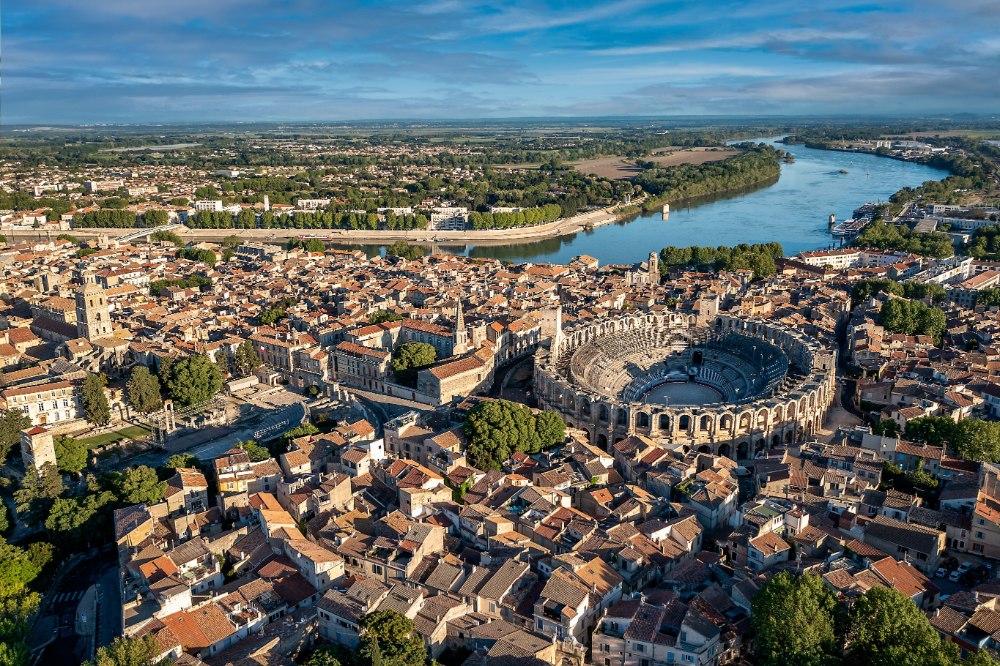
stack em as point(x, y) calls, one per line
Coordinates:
point(56, 633)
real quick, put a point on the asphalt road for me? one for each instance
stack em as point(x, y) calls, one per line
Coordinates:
point(69, 649)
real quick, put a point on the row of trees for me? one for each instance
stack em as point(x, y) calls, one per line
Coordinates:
point(193, 254)
point(113, 218)
point(193, 281)
point(985, 244)
point(866, 289)
point(971, 439)
point(496, 429)
point(248, 219)
point(883, 236)
point(899, 315)
point(797, 621)
point(527, 217)
point(759, 258)
point(757, 164)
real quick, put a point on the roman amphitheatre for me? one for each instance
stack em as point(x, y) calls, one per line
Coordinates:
point(719, 384)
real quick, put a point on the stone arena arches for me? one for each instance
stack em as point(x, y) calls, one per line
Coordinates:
point(566, 381)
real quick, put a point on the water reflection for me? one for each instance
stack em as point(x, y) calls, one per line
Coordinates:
point(792, 210)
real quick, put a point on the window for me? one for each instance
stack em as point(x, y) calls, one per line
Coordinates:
point(377, 569)
point(979, 535)
point(539, 625)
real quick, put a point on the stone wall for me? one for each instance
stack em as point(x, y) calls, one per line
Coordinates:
point(790, 414)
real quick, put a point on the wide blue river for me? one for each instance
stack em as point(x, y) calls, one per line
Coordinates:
point(793, 211)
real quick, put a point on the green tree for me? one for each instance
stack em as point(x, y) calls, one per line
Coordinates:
point(496, 429)
point(193, 379)
point(932, 430)
point(404, 250)
point(4, 519)
point(37, 493)
point(181, 460)
point(126, 651)
point(12, 422)
point(137, 485)
point(255, 451)
point(246, 359)
point(980, 658)
point(76, 519)
point(143, 390)
point(389, 638)
point(383, 316)
point(793, 619)
point(71, 454)
point(95, 402)
point(865, 289)
point(978, 440)
point(550, 428)
point(155, 217)
point(326, 656)
point(885, 628)
point(411, 357)
point(18, 568)
point(971, 439)
point(222, 363)
point(300, 430)
point(989, 298)
point(899, 315)
point(886, 428)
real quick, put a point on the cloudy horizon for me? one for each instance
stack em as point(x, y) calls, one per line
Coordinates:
point(120, 61)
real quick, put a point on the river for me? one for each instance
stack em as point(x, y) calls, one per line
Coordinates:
point(792, 210)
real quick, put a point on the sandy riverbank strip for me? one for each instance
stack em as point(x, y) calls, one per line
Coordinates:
point(561, 227)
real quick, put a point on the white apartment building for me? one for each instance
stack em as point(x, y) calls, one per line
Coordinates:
point(45, 404)
point(208, 205)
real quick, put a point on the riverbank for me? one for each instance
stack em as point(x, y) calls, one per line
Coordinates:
point(480, 237)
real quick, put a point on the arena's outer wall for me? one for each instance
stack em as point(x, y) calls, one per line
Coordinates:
point(734, 430)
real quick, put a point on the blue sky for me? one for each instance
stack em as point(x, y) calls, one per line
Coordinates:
point(72, 61)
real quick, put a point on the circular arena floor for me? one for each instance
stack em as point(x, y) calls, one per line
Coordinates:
point(682, 393)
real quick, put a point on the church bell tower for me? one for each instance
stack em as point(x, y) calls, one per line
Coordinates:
point(93, 314)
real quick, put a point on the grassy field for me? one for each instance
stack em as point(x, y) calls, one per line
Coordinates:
point(130, 432)
point(619, 168)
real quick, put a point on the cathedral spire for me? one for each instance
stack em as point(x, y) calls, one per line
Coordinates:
point(461, 333)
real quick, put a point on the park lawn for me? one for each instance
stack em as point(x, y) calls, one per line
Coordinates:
point(130, 432)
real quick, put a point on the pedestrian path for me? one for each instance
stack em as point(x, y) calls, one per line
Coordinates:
point(63, 597)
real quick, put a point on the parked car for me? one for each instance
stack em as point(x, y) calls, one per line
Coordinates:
point(954, 576)
point(964, 566)
point(941, 572)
